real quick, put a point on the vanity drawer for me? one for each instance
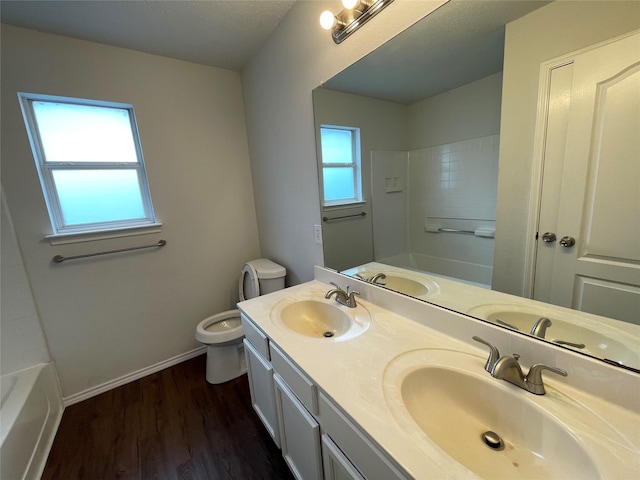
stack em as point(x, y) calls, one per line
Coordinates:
point(297, 381)
point(255, 336)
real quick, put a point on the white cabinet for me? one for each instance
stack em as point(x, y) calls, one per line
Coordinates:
point(299, 434)
point(336, 465)
point(355, 444)
point(318, 440)
point(261, 386)
point(256, 338)
point(296, 380)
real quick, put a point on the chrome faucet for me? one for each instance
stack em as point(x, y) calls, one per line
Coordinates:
point(539, 328)
point(376, 277)
point(347, 298)
point(508, 368)
point(494, 354)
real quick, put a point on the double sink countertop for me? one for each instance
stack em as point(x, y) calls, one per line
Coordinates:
point(363, 373)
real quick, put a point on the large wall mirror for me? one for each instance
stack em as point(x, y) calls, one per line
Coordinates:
point(479, 189)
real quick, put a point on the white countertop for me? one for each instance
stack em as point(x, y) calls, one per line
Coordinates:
point(352, 373)
point(479, 302)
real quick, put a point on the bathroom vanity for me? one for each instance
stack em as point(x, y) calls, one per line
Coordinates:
point(396, 388)
point(304, 422)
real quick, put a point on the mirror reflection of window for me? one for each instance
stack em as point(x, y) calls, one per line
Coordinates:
point(341, 172)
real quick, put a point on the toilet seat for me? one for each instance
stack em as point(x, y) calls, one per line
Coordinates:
point(225, 327)
point(250, 276)
point(222, 334)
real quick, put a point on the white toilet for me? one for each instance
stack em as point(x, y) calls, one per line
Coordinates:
point(222, 333)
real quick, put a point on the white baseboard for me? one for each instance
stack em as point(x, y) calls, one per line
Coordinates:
point(130, 377)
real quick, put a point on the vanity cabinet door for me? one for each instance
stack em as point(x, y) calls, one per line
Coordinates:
point(355, 444)
point(260, 375)
point(336, 465)
point(299, 434)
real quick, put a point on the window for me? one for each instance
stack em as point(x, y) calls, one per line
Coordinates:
point(89, 160)
point(341, 177)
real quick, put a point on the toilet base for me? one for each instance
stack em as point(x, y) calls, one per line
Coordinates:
point(225, 363)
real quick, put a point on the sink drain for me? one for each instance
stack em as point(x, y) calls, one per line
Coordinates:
point(492, 440)
point(327, 334)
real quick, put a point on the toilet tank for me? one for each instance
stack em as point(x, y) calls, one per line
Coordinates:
point(269, 274)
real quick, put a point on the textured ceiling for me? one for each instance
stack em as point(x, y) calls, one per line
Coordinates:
point(219, 33)
point(461, 42)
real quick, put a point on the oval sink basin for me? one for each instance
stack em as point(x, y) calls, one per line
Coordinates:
point(315, 319)
point(455, 410)
point(569, 330)
point(322, 319)
point(409, 283)
point(438, 392)
point(404, 285)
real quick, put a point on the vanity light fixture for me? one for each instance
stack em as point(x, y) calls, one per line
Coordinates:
point(355, 14)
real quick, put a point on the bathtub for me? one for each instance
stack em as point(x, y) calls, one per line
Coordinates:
point(30, 411)
point(470, 273)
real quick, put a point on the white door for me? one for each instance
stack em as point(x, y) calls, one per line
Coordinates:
point(593, 209)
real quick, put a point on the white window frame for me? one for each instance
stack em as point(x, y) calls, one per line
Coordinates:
point(355, 165)
point(45, 169)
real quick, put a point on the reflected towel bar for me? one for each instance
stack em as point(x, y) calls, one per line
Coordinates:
point(361, 214)
point(60, 258)
point(479, 232)
point(453, 230)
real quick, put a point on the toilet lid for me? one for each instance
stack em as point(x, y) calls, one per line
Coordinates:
point(249, 286)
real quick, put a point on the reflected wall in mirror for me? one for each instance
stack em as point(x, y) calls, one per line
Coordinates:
point(481, 87)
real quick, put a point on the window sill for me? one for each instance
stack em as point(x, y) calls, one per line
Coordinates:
point(78, 237)
point(343, 205)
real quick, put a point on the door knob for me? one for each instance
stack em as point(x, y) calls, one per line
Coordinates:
point(549, 237)
point(567, 242)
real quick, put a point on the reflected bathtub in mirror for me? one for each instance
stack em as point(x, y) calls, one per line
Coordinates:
point(428, 113)
point(585, 333)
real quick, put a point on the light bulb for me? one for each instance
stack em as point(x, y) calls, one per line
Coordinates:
point(349, 4)
point(327, 20)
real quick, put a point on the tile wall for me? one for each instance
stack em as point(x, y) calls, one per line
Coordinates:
point(22, 340)
point(456, 180)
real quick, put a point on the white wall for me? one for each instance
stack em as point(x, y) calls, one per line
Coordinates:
point(23, 343)
point(112, 316)
point(277, 87)
point(559, 28)
point(454, 186)
point(453, 171)
point(469, 111)
point(389, 197)
point(382, 125)
point(465, 119)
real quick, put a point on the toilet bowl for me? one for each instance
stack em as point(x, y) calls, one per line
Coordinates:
point(222, 333)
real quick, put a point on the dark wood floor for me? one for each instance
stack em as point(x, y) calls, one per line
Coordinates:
point(169, 425)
